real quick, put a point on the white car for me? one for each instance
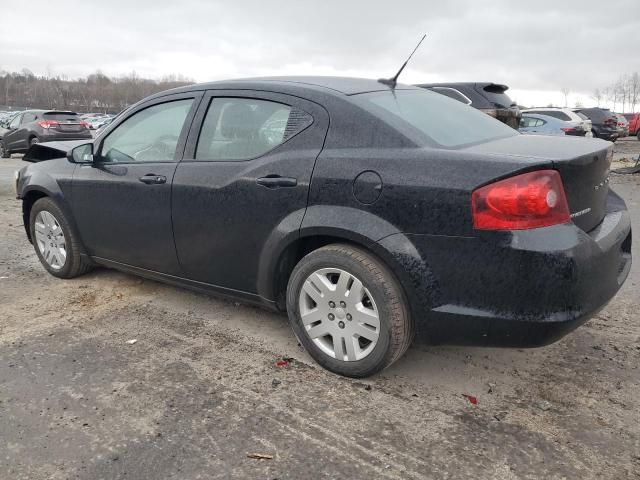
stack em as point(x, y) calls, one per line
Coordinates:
point(566, 115)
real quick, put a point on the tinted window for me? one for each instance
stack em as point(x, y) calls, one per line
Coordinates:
point(440, 119)
point(150, 135)
point(244, 128)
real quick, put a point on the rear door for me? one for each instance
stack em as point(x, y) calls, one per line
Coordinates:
point(243, 183)
point(122, 201)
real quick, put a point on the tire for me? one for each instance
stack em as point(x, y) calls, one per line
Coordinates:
point(381, 295)
point(638, 134)
point(4, 153)
point(33, 141)
point(73, 264)
point(595, 135)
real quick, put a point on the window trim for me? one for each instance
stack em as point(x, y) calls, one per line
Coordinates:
point(204, 110)
point(195, 96)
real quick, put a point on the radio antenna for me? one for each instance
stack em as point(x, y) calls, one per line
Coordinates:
point(393, 81)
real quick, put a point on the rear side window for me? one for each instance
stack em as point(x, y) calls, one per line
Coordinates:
point(556, 114)
point(237, 129)
point(29, 117)
point(438, 119)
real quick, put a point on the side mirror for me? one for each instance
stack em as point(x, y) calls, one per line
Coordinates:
point(81, 154)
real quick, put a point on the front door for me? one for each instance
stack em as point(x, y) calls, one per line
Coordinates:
point(122, 201)
point(244, 181)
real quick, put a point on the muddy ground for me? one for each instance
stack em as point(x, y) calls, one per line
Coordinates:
point(200, 389)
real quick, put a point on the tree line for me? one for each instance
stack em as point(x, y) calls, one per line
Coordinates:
point(623, 93)
point(95, 93)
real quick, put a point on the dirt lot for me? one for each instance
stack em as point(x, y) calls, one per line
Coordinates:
point(200, 390)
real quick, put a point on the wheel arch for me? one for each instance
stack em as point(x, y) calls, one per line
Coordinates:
point(395, 250)
point(31, 194)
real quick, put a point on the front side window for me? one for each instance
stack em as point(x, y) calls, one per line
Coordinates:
point(150, 135)
point(15, 123)
point(440, 119)
point(236, 129)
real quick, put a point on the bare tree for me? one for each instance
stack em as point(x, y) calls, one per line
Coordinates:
point(565, 91)
point(597, 96)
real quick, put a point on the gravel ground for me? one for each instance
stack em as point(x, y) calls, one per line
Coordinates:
point(200, 390)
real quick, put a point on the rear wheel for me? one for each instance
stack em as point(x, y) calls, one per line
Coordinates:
point(4, 153)
point(348, 310)
point(55, 242)
point(33, 141)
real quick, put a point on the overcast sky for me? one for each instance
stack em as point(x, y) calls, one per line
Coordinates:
point(537, 48)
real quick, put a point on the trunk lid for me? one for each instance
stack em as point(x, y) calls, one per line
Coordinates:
point(583, 164)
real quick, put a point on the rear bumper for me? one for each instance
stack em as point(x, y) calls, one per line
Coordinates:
point(57, 137)
point(523, 288)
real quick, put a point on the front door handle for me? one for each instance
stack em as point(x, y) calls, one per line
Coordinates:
point(276, 181)
point(153, 179)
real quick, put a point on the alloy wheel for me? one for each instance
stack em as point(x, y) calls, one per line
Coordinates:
point(339, 314)
point(50, 240)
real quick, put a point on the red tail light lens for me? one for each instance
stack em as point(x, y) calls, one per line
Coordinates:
point(84, 124)
point(568, 129)
point(48, 123)
point(530, 200)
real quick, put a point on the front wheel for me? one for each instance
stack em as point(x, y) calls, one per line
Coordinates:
point(33, 141)
point(54, 240)
point(348, 310)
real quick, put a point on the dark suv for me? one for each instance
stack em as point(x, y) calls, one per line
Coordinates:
point(368, 213)
point(603, 122)
point(485, 96)
point(34, 126)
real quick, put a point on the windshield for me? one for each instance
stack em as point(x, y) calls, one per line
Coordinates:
point(442, 120)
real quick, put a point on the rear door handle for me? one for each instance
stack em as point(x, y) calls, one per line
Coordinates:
point(276, 181)
point(153, 179)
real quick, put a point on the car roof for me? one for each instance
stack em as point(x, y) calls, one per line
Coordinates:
point(323, 84)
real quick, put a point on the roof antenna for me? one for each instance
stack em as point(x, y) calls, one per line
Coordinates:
point(392, 82)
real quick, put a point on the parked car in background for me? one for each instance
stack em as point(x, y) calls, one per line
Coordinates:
point(485, 96)
point(634, 123)
point(537, 124)
point(603, 122)
point(34, 126)
point(623, 125)
point(566, 115)
point(95, 123)
point(369, 214)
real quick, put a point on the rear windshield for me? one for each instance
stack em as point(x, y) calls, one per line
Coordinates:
point(435, 118)
point(495, 94)
point(62, 117)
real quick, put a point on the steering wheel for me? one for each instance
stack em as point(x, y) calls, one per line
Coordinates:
point(163, 148)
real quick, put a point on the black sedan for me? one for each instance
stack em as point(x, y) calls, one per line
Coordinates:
point(371, 214)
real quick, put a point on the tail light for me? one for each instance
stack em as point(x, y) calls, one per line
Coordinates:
point(568, 130)
point(84, 124)
point(529, 200)
point(48, 123)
